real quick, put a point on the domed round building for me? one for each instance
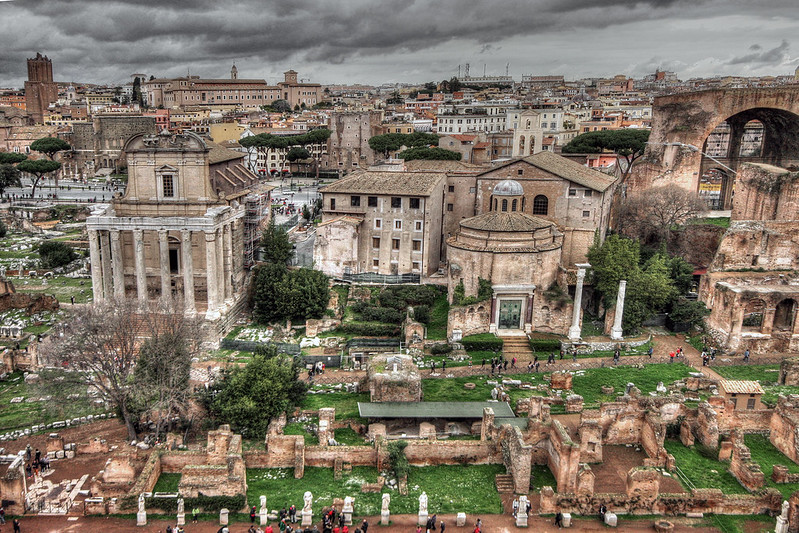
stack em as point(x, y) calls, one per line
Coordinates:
point(518, 253)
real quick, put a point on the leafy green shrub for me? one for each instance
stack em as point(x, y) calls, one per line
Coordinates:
point(421, 313)
point(397, 459)
point(440, 349)
point(369, 329)
point(55, 254)
point(209, 504)
point(545, 345)
point(482, 342)
point(690, 312)
point(382, 314)
point(484, 292)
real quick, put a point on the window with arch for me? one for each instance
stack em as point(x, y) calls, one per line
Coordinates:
point(540, 205)
point(521, 144)
point(513, 205)
point(504, 205)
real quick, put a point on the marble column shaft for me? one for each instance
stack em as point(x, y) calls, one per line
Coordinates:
point(141, 274)
point(116, 264)
point(163, 252)
point(97, 267)
point(188, 271)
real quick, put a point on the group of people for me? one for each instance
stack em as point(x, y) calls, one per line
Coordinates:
point(516, 506)
point(34, 462)
point(430, 525)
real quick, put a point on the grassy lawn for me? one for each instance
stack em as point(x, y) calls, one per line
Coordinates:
point(450, 489)
point(346, 403)
point(766, 455)
point(588, 384)
point(765, 374)
point(476, 357)
point(298, 428)
point(543, 477)
point(348, 437)
point(167, 483)
point(24, 414)
point(722, 222)
point(61, 286)
point(703, 469)
point(437, 328)
point(448, 390)
point(740, 524)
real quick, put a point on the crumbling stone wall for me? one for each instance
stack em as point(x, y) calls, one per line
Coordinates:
point(784, 427)
point(394, 378)
point(469, 319)
point(765, 192)
point(564, 457)
point(746, 471)
point(516, 457)
point(590, 433)
point(789, 371)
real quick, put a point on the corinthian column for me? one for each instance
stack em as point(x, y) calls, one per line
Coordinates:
point(211, 275)
point(188, 272)
point(576, 330)
point(116, 265)
point(97, 267)
point(163, 253)
point(141, 275)
point(615, 331)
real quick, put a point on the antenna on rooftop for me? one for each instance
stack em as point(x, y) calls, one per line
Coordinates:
point(507, 66)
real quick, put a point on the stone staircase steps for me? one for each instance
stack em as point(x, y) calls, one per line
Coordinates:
point(504, 483)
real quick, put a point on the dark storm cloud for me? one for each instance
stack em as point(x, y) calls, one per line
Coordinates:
point(776, 55)
point(101, 40)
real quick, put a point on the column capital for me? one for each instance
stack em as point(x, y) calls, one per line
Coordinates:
point(138, 234)
point(163, 234)
point(210, 236)
point(114, 234)
point(185, 233)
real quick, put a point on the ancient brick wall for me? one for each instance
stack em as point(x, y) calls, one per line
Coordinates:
point(765, 192)
point(470, 319)
point(784, 425)
point(426, 453)
point(746, 471)
point(564, 457)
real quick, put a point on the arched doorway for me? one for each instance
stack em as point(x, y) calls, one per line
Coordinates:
point(757, 135)
point(784, 315)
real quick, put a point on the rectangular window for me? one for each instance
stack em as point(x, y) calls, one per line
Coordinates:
point(472, 190)
point(417, 265)
point(588, 193)
point(396, 202)
point(378, 223)
point(572, 192)
point(395, 244)
point(450, 207)
point(355, 201)
point(417, 246)
point(375, 263)
point(371, 201)
point(398, 224)
point(332, 203)
point(750, 403)
point(375, 242)
point(414, 203)
point(451, 188)
point(586, 214)
point(168, 184)
point(520, 171)
point(417, 226)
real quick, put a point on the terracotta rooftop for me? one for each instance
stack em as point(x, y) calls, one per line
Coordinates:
point(502, 221)
point(566, 169)
point(387, 182)
point(440, 166)
point(220, 154)
point(343, 219)
point(741, 387)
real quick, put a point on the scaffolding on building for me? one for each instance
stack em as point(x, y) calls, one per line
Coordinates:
point(256, 215)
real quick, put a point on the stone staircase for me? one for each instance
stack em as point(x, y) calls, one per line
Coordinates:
point(518, 347)
point(504, 483)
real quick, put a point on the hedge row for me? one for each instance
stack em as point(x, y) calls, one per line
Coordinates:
point(369, 329)
point(482, 342)
point(207, 504)
point(545, 345)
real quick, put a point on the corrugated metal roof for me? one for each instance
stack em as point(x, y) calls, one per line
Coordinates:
point(741, 387)
point(432, 409)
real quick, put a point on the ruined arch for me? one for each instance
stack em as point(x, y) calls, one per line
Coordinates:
point(785, 314)
point(753, 315)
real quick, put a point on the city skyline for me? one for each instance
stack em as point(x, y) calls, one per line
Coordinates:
point(375, 42)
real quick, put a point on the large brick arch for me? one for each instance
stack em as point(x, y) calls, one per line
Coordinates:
point(690, 118)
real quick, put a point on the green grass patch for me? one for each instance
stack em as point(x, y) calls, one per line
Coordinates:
point(722, 222)
point(26, 414)
point(765, 374)
point(740, 524)
point(298, 428)
point(543, 477)
point(349, 437)
point(703, 469)
point(766, 455)
point(450, 390)
point(437, 327)
point(589, 385)
point(167, 483)
point(450, 489)
point(346, 403)
point(62, 287)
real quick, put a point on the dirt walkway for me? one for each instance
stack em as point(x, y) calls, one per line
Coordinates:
point(400, 524)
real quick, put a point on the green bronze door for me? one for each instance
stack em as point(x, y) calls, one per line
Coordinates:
point(510, 314)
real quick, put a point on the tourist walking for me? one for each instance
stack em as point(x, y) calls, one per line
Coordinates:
point(746, 356)
point(16, 526)
point(559, 519)
point(195, 514)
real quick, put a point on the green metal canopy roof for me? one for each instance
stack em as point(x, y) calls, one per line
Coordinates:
point(433, 409)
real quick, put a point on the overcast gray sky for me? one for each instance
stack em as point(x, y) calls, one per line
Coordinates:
point(375, 41)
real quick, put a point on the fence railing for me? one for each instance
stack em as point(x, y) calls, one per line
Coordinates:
point(250, 346)
point(385, 279)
